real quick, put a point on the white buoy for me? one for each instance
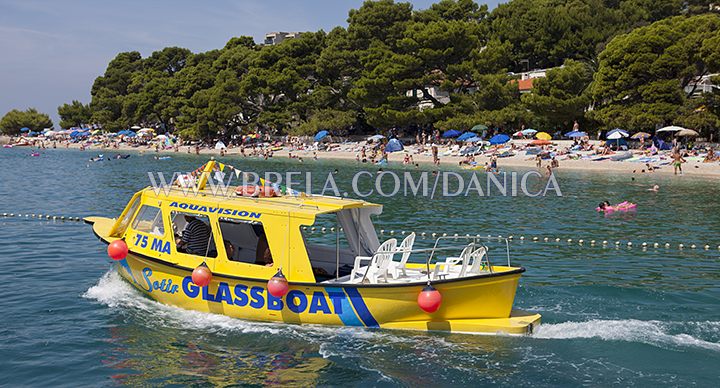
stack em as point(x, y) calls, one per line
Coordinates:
point(655, 245)
point(382, 231)
point(545, 239)
point(422, 234)
point(510, 237)
point(341, 229)
point(580, 242)
point(707, 247)
point(693, 246)
point(557, 239)
point(63, 218)
point(444, 234)
point(604, 242)
point(617, 242)
point(569, 240)
point(332, 229)
point(535, 238)
point(12, 215)
point(667, 245)
point(592, 242)
point(644, 244)
point(681, 246)
point(629, 243)
point(323, 229)
point(455, 235)
point(4, 214)
point(522, 237)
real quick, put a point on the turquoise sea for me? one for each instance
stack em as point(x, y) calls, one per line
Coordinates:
point(612, 315)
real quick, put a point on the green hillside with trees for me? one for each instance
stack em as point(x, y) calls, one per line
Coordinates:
point(624, 64)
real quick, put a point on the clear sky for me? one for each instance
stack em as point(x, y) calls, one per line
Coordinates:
point(52, 51)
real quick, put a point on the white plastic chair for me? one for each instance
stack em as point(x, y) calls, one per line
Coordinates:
point(475, 259)
point(442, 270)
point(405, 248)
point(379, 263)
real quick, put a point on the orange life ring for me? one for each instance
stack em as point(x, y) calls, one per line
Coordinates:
point(248, 191)
point(256, 191)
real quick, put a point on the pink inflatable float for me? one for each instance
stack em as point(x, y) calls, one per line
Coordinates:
point(620, 207)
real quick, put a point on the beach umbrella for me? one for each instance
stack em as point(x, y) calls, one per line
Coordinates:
point(479, 128)
point(394, 145)
point(540, 142)
point(466, 136)
point(451, 133)
point(574, 134)
point(24, 129)
point(672, 128)
point(500, 138)
point(518, 134)
point(528, 132)
point(130, 133)
point(375, 138)
point(543, 136)
point(617, 133)
point(145, 130)
point(473, 139)
point(687, 132)
point(641, 135)
point(95, 132)
point(135, 127)
point(220, 145)
point(321, 135)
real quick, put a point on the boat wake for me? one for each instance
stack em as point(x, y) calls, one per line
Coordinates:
point(656, 333)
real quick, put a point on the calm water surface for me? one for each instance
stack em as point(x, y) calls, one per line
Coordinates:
point(623, 316)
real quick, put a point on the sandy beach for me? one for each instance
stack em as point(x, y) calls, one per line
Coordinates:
point(348, 151)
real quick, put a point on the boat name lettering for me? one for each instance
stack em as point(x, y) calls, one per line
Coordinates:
point(257, 297)
point(216, 210)
point(164, 285)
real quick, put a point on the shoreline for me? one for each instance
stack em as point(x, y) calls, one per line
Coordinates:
point(691, 168)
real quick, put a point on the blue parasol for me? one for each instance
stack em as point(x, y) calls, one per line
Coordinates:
point(500, 138)
point(466, 135)
point(573, 134)
point(451, 133)
point(321, 135)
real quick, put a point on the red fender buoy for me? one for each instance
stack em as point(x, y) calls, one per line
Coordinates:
point(429, 299)
point(117, 250)
point(278, 285)
point(201, 275)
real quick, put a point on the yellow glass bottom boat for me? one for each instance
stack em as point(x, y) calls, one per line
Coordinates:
point(359, 282)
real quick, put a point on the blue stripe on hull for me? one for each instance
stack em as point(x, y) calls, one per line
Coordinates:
point(361, 308)
point(348, 316)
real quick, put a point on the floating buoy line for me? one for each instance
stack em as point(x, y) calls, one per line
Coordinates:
point(537, 239)
point(42, 217)
point(425, 235)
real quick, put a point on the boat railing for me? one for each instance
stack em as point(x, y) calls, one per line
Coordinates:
point(473, 241)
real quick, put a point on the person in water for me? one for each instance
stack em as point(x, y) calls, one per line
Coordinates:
point(677, 162)
point(604, 205)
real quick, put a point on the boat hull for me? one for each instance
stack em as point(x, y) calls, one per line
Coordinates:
point(481, 304)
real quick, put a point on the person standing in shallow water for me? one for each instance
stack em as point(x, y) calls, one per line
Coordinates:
point(677, 162)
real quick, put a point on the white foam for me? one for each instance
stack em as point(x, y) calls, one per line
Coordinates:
point(631, 330)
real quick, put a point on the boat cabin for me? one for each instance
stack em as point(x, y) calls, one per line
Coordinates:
point(252, 237)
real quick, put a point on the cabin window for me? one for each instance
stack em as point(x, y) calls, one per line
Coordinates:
point(125, 221)
point(193, 234)
point(245, 242)
point(149, 220)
